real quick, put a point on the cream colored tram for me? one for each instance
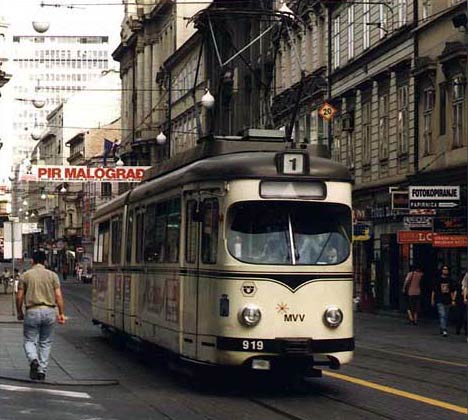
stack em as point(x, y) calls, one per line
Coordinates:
point(236, 254)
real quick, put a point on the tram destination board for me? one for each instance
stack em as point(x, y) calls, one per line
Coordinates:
point(434, 197)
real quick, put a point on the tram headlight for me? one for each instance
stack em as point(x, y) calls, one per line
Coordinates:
point(250, 315)
point(333, 316)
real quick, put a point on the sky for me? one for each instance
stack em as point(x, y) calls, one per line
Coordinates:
point(97, 17)
point(103, 16)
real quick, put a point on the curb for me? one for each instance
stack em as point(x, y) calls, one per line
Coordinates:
point(84, 382)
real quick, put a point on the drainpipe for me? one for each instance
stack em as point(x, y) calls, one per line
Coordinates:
point(329, 71)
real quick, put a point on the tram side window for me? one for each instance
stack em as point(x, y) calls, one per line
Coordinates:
point(210, 227)
point(102, 254)
point(171, 251)
point(191, 233)
point(163, 232)
point(140, 235)
point(129, 239)
point(116, 232)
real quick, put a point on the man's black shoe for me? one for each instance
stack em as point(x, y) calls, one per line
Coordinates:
point(33, 369)
point(41, 376)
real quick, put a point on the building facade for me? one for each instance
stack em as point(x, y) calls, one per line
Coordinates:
point(51, 68)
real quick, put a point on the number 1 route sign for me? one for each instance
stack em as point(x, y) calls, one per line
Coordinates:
point(327, 111)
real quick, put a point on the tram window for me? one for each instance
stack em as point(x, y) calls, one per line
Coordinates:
point(139, 237)
point(210, 227)
point(289, 233)
point(190, 233)
point(163, 232)
point(171, 251)
point(116, 232)
point(129, 239)
point(103, 242)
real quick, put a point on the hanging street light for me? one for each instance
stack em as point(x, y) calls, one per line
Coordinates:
point(161, 138)
point(208, 100)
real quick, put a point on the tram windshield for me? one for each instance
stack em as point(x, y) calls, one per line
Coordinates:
point(289, 233)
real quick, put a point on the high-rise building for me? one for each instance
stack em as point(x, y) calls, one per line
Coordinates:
point(50, 68)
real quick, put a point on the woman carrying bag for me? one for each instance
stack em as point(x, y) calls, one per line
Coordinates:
point(412, 289)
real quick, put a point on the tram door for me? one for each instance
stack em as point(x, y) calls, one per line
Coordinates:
point(190, 276)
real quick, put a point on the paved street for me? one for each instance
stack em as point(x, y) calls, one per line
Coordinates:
point(399, 372)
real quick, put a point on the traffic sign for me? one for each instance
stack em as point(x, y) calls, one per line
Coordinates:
point(327, 111)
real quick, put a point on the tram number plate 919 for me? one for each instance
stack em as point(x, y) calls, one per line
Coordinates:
point(253, 345)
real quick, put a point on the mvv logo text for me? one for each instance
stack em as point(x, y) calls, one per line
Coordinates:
point(294, 317)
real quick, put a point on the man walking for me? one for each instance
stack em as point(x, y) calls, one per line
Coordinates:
point(39, 290)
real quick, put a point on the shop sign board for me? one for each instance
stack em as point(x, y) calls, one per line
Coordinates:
point(400, 200)
point(450, 225)
point(449, 241)
point(434, 196)
point(362, 231)
point(417, 222)
point(414, 237)
point(57, 173)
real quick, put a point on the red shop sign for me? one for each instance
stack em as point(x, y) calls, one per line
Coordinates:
point(414, 237)
point(449, 241)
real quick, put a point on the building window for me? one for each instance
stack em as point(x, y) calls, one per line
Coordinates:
point(383, 20)
point(442, 110)
point(366, 26)
point(350, 31)
point(426, 9)
point(402, 12)
point(366, 133)
point(383, 125)
point(106, 189)
point(336, 42)
point(429, 100)
point(349, 150)
point(403, 126)
point(458, 93)
point(317, 128)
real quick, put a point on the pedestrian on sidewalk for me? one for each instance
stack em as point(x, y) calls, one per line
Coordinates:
point(412, 289)
point(39, 289)
point(443, 296)
point(460, 301)
point(6, 279)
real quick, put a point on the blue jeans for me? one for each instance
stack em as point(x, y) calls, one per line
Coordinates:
point(443, 311)
point(38, 331)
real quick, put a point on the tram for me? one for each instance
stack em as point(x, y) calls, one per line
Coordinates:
point(236, 253)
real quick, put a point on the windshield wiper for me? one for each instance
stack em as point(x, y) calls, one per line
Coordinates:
point(291, 241)
point(323, 248)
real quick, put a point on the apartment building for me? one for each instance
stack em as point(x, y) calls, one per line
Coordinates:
point(52, 68)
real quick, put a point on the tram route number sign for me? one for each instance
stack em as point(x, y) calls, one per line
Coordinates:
point(327, 111)
point(434, 196)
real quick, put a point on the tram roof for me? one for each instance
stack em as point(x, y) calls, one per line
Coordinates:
point(227, 158)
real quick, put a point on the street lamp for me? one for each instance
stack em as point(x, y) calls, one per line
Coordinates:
point(36, 133)
point(40, 22)
point(119, 162)
point(208, 99)
point(161, 138)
